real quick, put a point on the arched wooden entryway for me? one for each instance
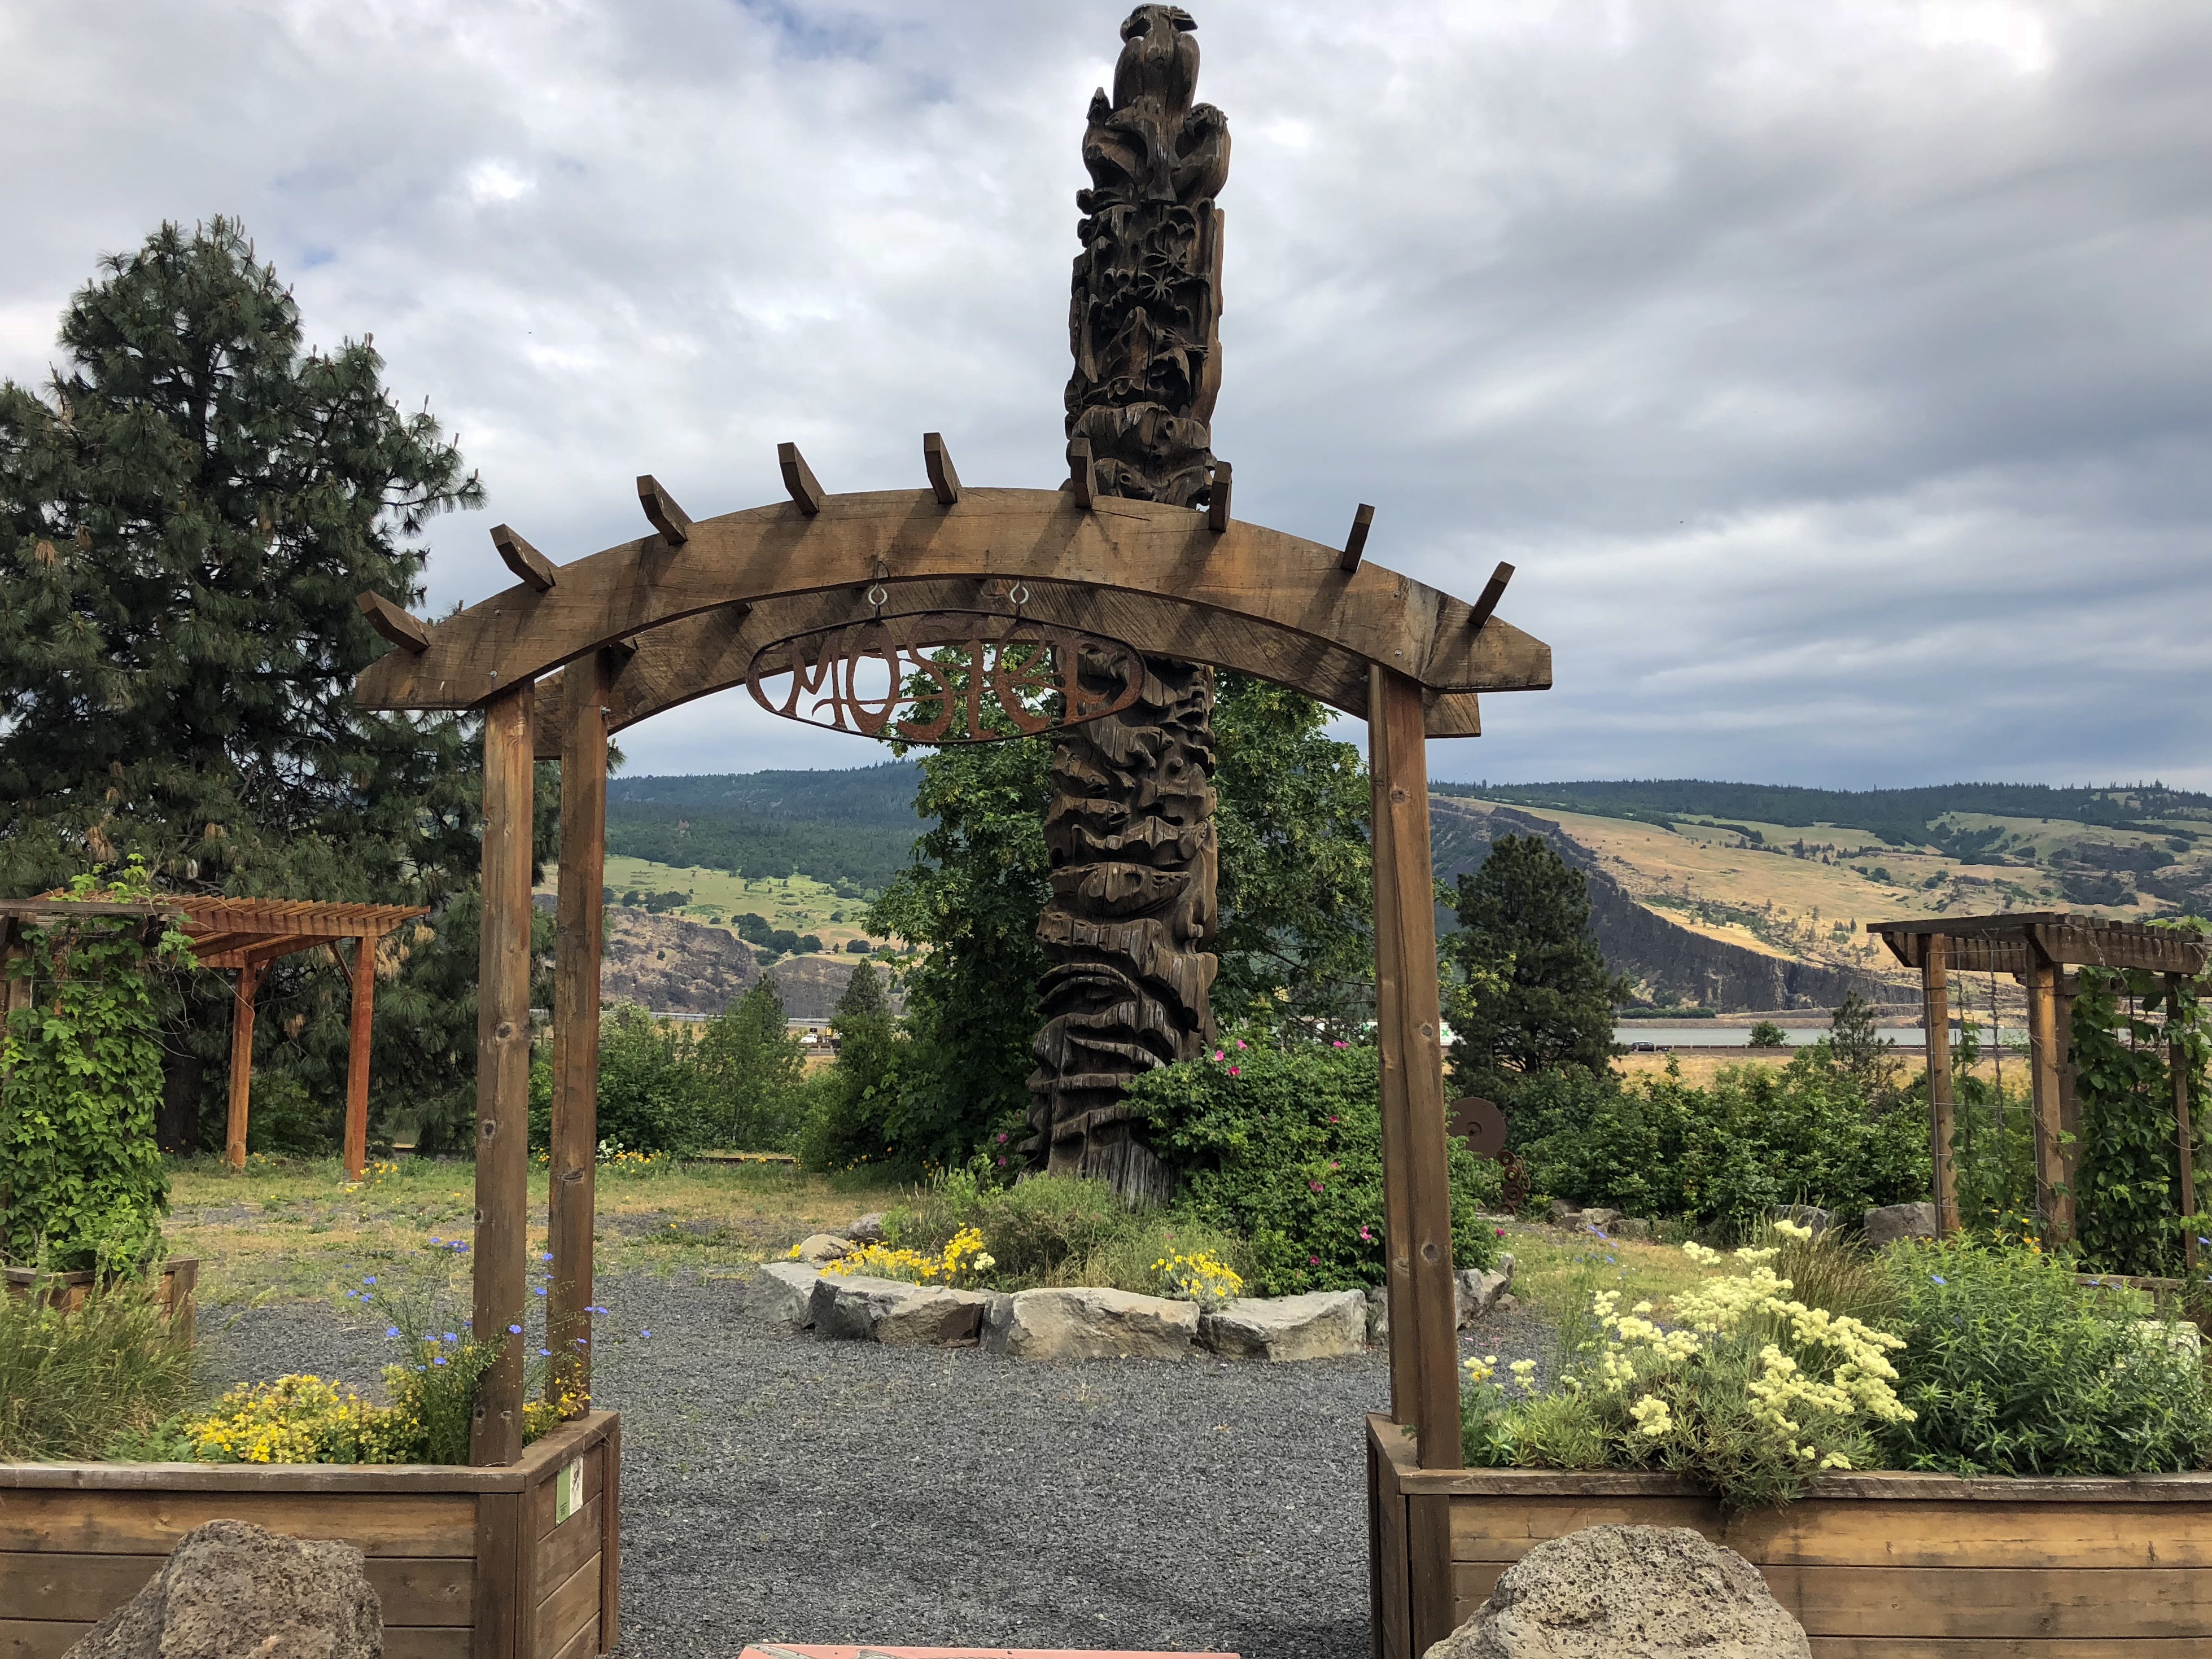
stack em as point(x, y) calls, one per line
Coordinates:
point(573, 652)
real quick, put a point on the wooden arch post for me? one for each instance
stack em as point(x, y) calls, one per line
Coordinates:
point(1417, 1196)
point(502, 1214)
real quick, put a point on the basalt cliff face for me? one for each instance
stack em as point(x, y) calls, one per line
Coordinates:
point(1665, 958)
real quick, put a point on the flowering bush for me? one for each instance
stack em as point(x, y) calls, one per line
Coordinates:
point(963, 1255)
point(1281, 1142)
point(1198, 1277)
point(303, 1419)
point(1747, 1388)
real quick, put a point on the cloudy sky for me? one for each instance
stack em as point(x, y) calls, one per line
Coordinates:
point(1838, 373)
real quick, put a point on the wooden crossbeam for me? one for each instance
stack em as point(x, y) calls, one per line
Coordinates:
point(1082, 473)
point(799, 479)
point(1492, 591)
point(528, 563)
point(670, 519)
point(409, 633)
point(1355, 544)
point(943, 481)
point(2013, 943)
point(1217, 499)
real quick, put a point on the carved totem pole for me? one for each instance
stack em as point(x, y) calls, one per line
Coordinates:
point(1130, 830)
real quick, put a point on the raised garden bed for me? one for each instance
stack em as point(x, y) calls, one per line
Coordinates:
point(517, 1562)
point(180, 1280)
point(1906, 1566)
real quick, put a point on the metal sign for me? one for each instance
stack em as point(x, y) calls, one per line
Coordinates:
point(945, 677)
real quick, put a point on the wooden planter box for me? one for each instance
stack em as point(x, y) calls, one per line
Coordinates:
point(1905, 1566)
point(468, 1563)
point(180, 1280)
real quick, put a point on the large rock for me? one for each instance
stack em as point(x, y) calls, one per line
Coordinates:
point(231, 1589)
point(1089, 1324)
point(784, 1290)
point(1891, 1222)
point(1477, 1291)
point(887, 1310)
point(1321, 1324)
point(867, 1230)
point(1805, 1215)
point(1629, 1593)
point(819, 1250)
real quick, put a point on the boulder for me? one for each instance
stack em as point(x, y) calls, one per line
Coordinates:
point(859, 1309)
point(1378, 1314)
point(230, 1587)
point(1089, 1324)
point(1321, 1324)
point(867, 1230)
point(1597, 1217)
point(1613, 1592)
point(783, 1291)
point(1805, 1215)
point(817, 1249)
point(1630, 1226)
point(1477, 1291)
point(1891, 1222)
point(1565, 1214)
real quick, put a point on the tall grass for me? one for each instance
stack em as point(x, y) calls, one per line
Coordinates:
point(72, 1383)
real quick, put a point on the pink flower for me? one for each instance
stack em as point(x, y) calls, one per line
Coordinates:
point(1366, 1237)
point(1335, 1120)
point(1216, 1054)
point(1313, 1262)
point(1233, 1072)
point(1240, 1042)
point(1314, 1185)
point(1501, 1233)
point(1340, 1045)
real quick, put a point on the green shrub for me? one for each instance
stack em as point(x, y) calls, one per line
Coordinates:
point(2015, 1368)
point(652, 1092)
point(1282, 1146)
point(72, 1384)
point(1725, 1155)
point(80, 1180)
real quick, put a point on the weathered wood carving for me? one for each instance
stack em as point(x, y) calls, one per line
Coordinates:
point(1130, 830)
point(966, 677)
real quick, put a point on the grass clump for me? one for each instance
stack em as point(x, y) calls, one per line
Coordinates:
point(73, 1385)
point(2014, 1368)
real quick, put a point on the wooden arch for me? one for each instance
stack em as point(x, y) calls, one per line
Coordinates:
point(573, 652)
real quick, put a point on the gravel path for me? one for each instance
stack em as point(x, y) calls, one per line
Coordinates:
point(789, 1489)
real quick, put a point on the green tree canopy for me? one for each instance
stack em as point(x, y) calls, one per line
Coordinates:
point(752, 1063)
point(1530, 992)
point(185, 518)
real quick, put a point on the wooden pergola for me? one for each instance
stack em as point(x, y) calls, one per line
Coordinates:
point(2037, 948)
point(247, 935)
point(824, 585)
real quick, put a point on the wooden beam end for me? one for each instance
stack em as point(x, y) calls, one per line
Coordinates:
point(799, 479)
point(1492, 591)
point(408, 633)
point(528, 563)
point(670, 519)
point(1217, 498)
point(943, 481)
point(1355, 544)
point(1082, 473)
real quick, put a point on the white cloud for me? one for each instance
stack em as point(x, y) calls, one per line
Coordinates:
point(1839, 377)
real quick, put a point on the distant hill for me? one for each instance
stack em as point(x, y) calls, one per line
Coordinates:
point(851, 829)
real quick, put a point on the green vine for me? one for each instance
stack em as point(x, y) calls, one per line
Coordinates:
point(2127, 1192)
point(80, 1081)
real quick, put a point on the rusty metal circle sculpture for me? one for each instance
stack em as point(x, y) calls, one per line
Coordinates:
point(1479, 1121)
point(961, 676)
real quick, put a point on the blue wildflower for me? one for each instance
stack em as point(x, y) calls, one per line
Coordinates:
point(514, 1330)
point(1939, 1278)
point(391, 1330)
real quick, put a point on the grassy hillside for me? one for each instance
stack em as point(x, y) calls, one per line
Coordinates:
point(847, 830)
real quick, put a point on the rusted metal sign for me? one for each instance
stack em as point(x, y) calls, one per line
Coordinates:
point(945, 677)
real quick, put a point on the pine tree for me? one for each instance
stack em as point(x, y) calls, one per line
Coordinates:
point(185, 518)
point(186, 514)
point(752, 1064)
point(1531, 992)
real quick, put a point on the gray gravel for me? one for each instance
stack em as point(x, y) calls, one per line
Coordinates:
point(787, 1489)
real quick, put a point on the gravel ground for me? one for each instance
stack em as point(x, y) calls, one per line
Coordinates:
point(789, 1489)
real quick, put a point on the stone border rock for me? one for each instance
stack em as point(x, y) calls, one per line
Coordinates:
point(1089, 1323)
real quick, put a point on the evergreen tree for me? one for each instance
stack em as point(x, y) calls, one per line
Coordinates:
point(1530, 992)
point(187, 516)
point(854, 1119)
point(752, 1063)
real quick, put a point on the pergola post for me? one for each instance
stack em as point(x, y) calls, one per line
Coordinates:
point(2184, 1139)
point(574, 1153)
point(241, 1063)
point(1417, 1224)
point(2046, 1047)
point(363, 1014)
point(502, 1214)
point(1935, 1015)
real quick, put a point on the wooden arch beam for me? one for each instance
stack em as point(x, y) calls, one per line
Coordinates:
point(1156, 576)
point(681, 661)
